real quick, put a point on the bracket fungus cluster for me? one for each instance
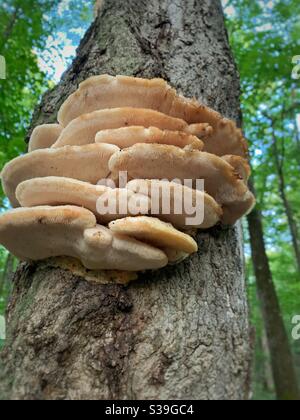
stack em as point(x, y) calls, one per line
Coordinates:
point(67, 193)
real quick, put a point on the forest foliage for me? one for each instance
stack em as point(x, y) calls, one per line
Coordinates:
point(265, 37)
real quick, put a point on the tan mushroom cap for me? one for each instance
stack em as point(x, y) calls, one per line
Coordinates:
point(56, 191)
point(83, 130)
point(174, 256)
point(85, 163)
point(124, 253)
point(43, 232)
point(238, 209)
point(241, 166)
point(44, 136)
point(154, 232)
point(226, 139)
point(102, 92)
point(129, 136)
point(135, 199)
point(154, 161)
point(157, 190)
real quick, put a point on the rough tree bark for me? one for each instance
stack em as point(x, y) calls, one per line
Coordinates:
point(181, 332)
point(283, 369)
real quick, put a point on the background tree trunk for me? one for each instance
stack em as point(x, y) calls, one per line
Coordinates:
point(283, 369)
point(178, 333)
point(268, 380)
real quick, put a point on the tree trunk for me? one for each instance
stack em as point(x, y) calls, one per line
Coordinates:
point(178, 333)
point(281, 357)
point(268, 380)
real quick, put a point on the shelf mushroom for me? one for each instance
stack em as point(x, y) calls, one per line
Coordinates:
point(155, 232)
point(185, 207)
point(129, 136)
point(83, 130)
point(54, 191)
point(103, 92)
point(45, 232)
point(241, 166)
point(87, 163)
point(44, 136)
point(154, 161)
point(140, 197)
point(64, 185)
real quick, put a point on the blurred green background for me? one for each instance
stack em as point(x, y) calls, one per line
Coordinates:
point(39, 39)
